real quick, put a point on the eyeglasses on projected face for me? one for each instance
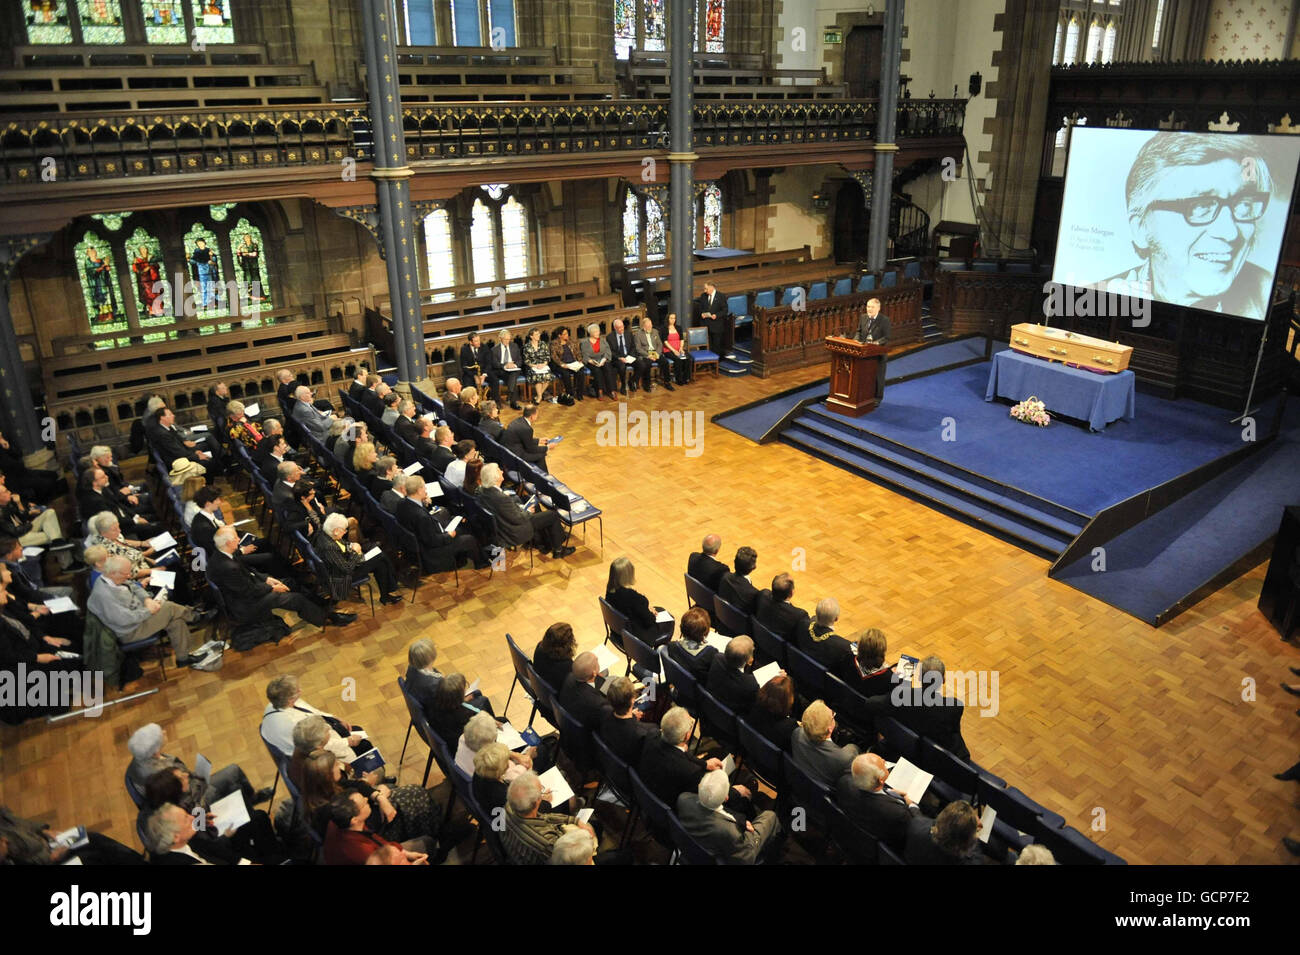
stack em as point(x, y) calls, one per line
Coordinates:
point(1202, 210)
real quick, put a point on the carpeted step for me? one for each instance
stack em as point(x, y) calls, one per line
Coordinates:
point(1032, 536)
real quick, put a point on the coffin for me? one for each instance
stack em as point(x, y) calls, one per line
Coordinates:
point(1056, 344)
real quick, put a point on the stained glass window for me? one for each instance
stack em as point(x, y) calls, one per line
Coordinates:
point(631, 228)
point(47, 21)
point(249, 253)
point(1071, 43)
point(212, 22)
point(711, 237)
point(464, 23)
point(714, 25)
point(100, 292)
point(219, 211)
point(656, 237)
point(656, 29)
point(514, 240)
point(150, 282)
point(205, 296)
point(164, 21)
point(438, 253)
point(483, 244)
point(112, 220)
point(501, 16)
point(624, 28)
point(1108, 43)
point(419, 22)
point(101, 21)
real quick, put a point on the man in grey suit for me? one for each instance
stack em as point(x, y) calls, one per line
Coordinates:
point(124, 607)
point(812, 748)
point(649, 348)
point(288, 473)
point(874, 327)
point(730, 837)
point(309, 416)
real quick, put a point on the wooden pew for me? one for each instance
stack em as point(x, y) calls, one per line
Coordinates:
point(637, 273)
point(145, 99)
point(447, 293)
point(471, 55)
point(786, 338)
point(479, 93)
point(296, 321)
point(138, 54)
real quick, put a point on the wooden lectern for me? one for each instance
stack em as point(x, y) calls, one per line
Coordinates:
point(854, 366)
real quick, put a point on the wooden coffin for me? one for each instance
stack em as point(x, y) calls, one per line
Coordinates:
point(1056, 344)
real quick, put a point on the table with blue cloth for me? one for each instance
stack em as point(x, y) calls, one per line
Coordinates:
point(1073, 392)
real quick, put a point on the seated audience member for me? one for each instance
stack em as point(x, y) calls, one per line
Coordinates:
point(94, 495)
point(147, 757)
point(386, 470)
point(422, 678)
point(101, 456)
point(218, 398)
point(517, 525)
point(208, 519)
point(927, 711)
point(575, 847)
point(649, 349)
point(490, 424)
point(775, 611)
point(812, 748)
point(287, 476)
point(286, 708)
point(465, 452)
point(396, 494)
point(469, 410)
point(770, 714)
point(732, 838)
point(952, 839)
point(598, 357)
point(730, 681)
point(705, 566)
point(866, 670)
point(406, 427)
point(482, 729)
point(473, 475)
point(250, 595)
point(566, 361)
point(272, 451)
point(310, 418)
point(734, 586)
point(452, 708)
point(241, 428)
point(579, 696)
point(401, 812)
point(553, 656)
point(27, 842)
point(441, 548)
point(173, 445)
point(25, 649)
point(364, 457)
point(29, 598)
point(521, 439)
point(440, 455)
point(1035, 855)
point(620, 350)
point(312, 733)
point(372, 399)
point(667, 769)
point(27, 570)
point(287, 384)
point(537, 364)
point(425, 448)
point(530, 835)
point(303, 511)
point(620, 728)
point(862, 794)
point(106, 532)
point(452, 387)
point(691, 651)
point(124, 607)
point(94, 557)
point(33, 484)
point(357, 387)
point(391, 412)
point(350, 841)
point(345, 562)
point(676, 351)
point(822, 643)
point(620, 593)
point(503, 364)
point(489, 785)
point(254, 840)
point(34, 526)
point(172, 839)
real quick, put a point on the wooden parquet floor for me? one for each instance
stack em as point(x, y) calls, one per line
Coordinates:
point(1100, 717)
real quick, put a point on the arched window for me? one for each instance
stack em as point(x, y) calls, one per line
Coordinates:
point(656, 241)
point(438, 253)
point(101, 21)
point(1056, 44)
point(212, 23)
point(164, 21)
point(656, 24)
point(501, 17)
point(514, 240)
point(1071, 53)
point(249, 253)
point(48, 22)
point(465, 28)
point(419, 25)
point(1108, 43)
point(100, 292)
point(631, 228)
point(483, 243)
point(1094, 43)
point(625, 28)
point(711, 225)
point(1160, 17)
point(714, 25)
point(206, 295)
point(640, 25)
point(149, 279)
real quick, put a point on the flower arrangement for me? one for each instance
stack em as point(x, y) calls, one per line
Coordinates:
point(1031, 411)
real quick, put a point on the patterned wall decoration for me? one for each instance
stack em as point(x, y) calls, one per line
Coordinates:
point(1247, 30)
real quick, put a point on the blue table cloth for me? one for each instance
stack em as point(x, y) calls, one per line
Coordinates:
point(1085, 395)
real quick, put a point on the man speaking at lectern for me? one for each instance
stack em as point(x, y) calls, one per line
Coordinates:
point(874, 327)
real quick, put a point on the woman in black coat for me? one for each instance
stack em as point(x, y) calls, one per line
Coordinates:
point(553, 658)
point(770, 714)
point(621, 595)
point(305, 513)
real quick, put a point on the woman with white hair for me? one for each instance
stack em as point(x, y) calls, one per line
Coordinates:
point(598, 359)
point(482, 729)
point(345, 562)
point(147, 757)
point(106, 532)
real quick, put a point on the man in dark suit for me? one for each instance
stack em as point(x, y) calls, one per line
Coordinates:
point(94, 495)
point(624, 733)
point(359, 384)
point(372, 399)
point(517, 526)
point(287, 475)
point(735, 587)
point(884, 813)
point(273, 451)
point(134, 497)
point(579, 696)
point(953, 838)
point(668, 771)
point(711, 310)
point(926, 711)
point(705, 566)
point(440, 549)
point(452, 389)
point(730, 682)
point(521, 439)
point(250, 596)
point(171, 444)
point(168, 831)
point(503, 363)
point(822, 643)
point(405, 427)
point(621, 349)
point(440, 454)
point(203, 530)
point(775, 611)
point(284, 390)
point(423, 443)
point(874, 327)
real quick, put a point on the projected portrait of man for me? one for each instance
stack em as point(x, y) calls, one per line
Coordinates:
point(1193, 205)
